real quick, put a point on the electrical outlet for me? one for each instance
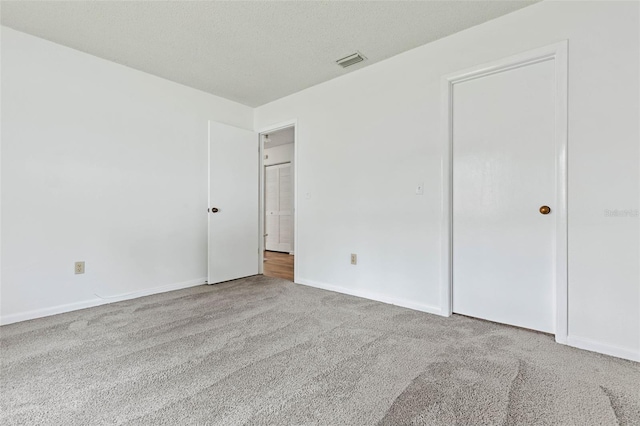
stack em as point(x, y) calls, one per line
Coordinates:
point(354, 259)
point(79, 268)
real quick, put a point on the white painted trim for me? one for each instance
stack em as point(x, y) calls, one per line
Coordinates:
point(208, 198)
point(603, 348)
point(283, 125)
point(558, 53)
point(261, 204)
point(365, 294)
point(60, 309)
point(562, 184)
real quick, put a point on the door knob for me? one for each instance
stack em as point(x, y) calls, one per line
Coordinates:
point(545, 210)
point(214, 210)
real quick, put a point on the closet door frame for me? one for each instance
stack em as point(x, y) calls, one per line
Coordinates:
point(557, 52)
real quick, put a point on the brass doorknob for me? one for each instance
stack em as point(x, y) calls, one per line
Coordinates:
point(545, 210)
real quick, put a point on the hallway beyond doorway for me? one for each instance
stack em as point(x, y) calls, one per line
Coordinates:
point(279, 265)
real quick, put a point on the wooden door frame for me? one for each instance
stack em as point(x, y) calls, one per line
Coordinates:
point(558, 53)
point(261, 227)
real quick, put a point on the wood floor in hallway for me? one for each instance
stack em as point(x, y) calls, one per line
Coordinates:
point(279, 265)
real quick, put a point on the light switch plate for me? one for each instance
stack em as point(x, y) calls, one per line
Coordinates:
point(420, 189)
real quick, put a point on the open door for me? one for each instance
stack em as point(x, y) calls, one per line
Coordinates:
point(233, 203)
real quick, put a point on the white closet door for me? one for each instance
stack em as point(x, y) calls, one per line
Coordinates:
point(271, 201)
point(279, 207)
point(285, 196)
point(504, 171)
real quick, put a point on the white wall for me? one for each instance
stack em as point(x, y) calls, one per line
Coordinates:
point(279, 154)
point(365, 140)
point(104, 164)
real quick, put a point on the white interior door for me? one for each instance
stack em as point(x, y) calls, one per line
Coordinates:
point(503, 172)
point(271, 205)
point(279, 207)
point(233, 191)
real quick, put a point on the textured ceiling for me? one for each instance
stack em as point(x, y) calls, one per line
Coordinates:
point(249, 52)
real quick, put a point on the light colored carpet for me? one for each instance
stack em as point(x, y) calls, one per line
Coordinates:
point(264, 351)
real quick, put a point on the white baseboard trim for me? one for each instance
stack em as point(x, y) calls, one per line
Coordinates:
point(577, 342)
point(60, 309)
point(371, 296)
point(603, 348)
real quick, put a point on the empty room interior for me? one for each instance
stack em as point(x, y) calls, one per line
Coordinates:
point(320, 212)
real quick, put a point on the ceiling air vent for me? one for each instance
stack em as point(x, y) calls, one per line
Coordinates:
point(352, 59)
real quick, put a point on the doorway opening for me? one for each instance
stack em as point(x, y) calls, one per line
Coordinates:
point(278, 200)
